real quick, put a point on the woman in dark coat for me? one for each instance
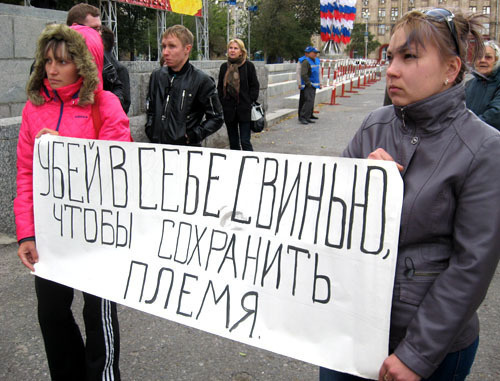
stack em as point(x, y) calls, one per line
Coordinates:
point(482, 93)
point(238, 88)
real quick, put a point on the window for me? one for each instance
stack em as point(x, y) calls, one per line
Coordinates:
point(394, 13)
point(381, 13)
point(381, 29)
point(486, 10)
point(410, 8)
point(365, 3)
point(486, 29)
point(473, 8)
point(381, 1)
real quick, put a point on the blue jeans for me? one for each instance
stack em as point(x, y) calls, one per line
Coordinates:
point(455, 367)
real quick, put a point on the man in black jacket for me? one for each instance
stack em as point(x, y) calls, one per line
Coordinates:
point(88, 15)
point(108, 39)
point(182, 103)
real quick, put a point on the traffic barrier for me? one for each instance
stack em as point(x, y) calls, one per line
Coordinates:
point(349, 75)
point(332, 99)
point(350, 89)
point(343, 92)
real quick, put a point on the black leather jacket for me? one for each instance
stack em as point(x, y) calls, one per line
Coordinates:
point(449, 242)
point(177, 103)
point(111, 81)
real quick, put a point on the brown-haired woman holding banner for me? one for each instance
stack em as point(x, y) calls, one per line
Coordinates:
point(449, 240)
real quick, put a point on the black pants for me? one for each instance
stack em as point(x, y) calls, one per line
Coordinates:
point(308, 94)
point(68, 357)
point(239, 135)
point(301, 100)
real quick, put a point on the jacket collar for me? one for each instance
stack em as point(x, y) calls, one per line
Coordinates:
point(64, 94)
point(433, 113)
point(180, 72)
point(493, 77)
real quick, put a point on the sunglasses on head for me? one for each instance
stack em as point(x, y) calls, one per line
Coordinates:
point(440, 15)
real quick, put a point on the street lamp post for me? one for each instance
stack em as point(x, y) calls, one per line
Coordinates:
point(366, 16)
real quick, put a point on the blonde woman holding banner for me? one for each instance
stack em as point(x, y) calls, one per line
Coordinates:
point(449, 241)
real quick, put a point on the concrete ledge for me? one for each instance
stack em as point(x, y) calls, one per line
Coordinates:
point(273, 68)
point(281, 88)
point(277, 116)
point(282, 77)
point(217, 140)
point(7, 239)
point(9, 131)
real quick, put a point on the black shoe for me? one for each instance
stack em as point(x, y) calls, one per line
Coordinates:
point(303, 121)
point(313, 117)
point(310, 121)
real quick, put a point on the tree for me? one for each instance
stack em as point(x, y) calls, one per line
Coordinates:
point(283, 28)
point(358, 41)
point(217, 33)
point(133, 26)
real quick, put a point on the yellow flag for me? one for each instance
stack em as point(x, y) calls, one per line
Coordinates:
point(186, 7)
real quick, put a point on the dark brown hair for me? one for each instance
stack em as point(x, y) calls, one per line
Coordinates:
point(59, 49)
point(421, 29)
point(78, 13)
point(108, 38)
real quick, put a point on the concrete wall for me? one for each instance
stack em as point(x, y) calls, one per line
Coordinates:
point(140, 71)
point(19, 28)
point(8, 142)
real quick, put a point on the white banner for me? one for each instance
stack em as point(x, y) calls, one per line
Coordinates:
point(293, 254)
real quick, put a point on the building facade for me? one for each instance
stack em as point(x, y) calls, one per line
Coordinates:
point(381, 15)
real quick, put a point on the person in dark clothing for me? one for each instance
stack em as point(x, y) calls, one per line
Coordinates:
point(238, 88)
point(482, 93)
point(88, 15)
point(182, 103)
point(108, 39)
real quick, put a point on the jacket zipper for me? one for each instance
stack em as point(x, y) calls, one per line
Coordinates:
point(425, 273)
point(60, 111)
point(182, 101)
point(410, 271)
point(168, 99)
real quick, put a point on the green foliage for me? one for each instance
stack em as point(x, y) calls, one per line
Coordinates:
point(133, 25)
point(217, 30)
point(358, 41)
point(282, 28)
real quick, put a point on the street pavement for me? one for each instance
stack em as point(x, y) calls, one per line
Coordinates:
point(156, 349)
